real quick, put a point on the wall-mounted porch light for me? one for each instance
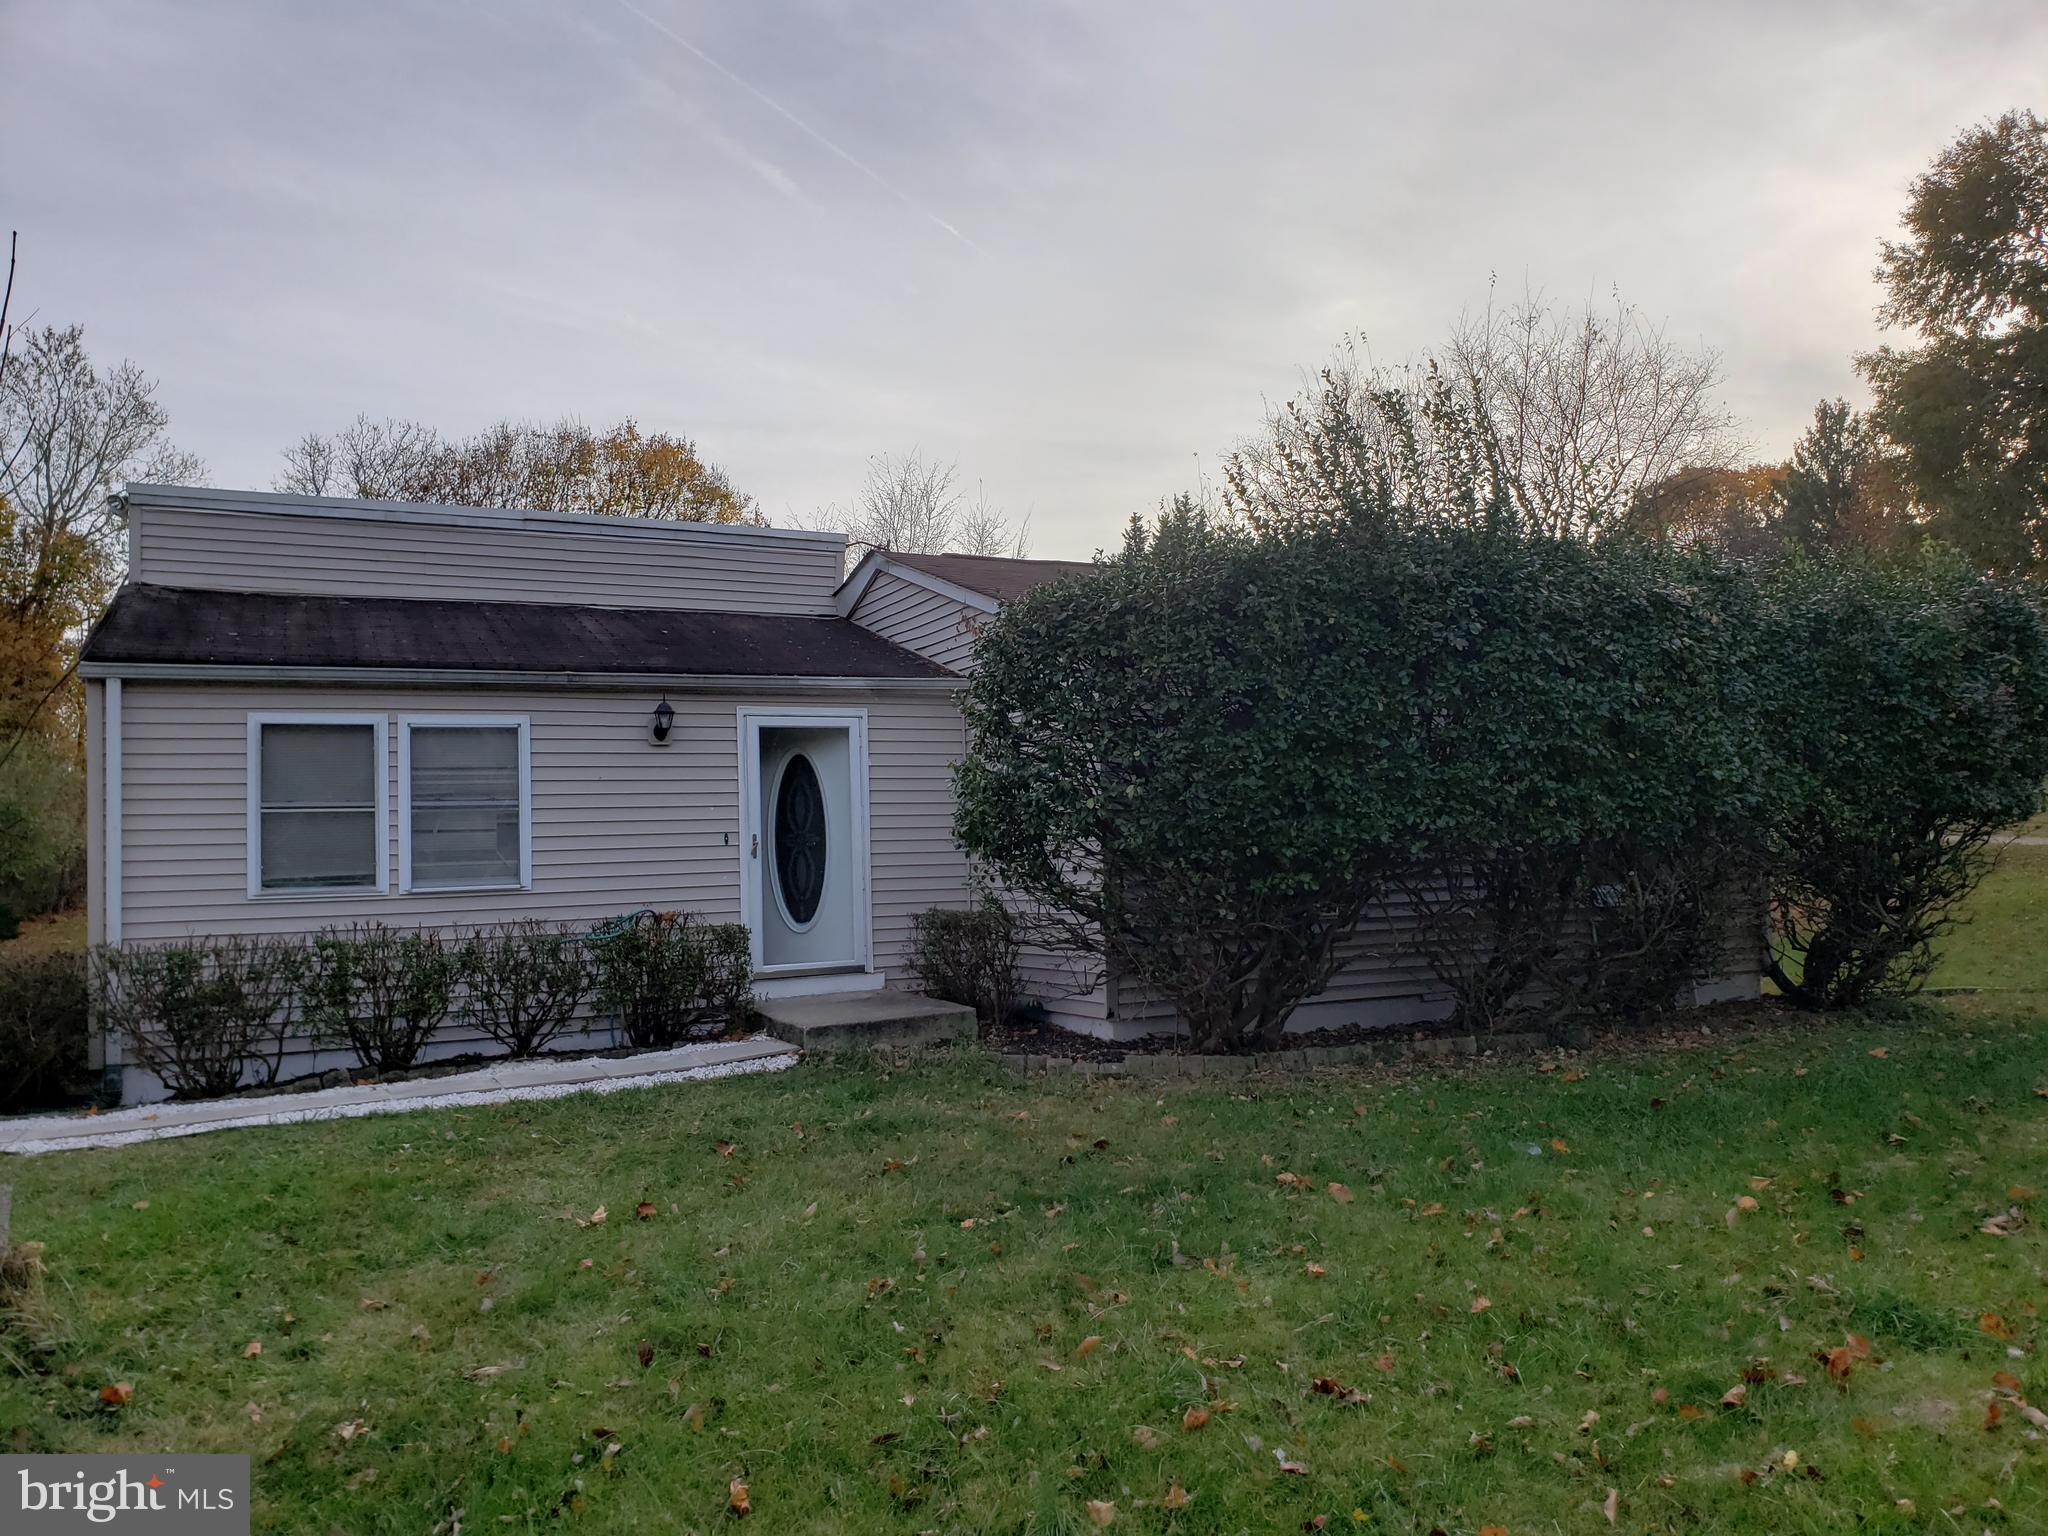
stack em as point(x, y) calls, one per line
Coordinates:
point(663, 723)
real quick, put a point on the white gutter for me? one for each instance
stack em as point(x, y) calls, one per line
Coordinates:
point(110, 776)
point(452, 677)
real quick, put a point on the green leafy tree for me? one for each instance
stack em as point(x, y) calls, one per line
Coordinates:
point(1968, 406)
point(1842, 488)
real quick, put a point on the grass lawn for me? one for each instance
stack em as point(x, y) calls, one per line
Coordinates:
point(2004, 942)
point(41, 935)
point(937, 1299)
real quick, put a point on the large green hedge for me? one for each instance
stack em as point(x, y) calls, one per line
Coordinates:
point(1561, 761)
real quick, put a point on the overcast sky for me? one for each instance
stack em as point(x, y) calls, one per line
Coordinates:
point(1074, 247)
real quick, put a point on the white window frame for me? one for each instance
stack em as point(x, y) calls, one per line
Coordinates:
point(524, 725)
point(380, 753)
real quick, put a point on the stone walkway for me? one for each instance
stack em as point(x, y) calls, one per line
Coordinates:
point(549, 1077)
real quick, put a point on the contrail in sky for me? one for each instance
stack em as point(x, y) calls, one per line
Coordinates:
point(800, 125)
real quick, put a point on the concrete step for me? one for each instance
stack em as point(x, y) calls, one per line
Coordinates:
point(841, 1021)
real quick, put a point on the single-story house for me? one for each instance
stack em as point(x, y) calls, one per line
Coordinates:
point(307, 711)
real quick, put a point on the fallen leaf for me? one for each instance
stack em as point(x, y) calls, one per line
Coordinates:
point(1688, 1412)
point(486, 1372)
point(252, 1349)
point(1612, 1507)
point(1385, 1364)
point(1880, 1052)
point(1996, 1326)
point(737, 1498)
point(644, 1353)
point(1557, 1144)
point(1735, 1396)
point(350, 1429)
point(1342, 1194)
point(1088, 1346)
point(644, 1210)
point(117, 1394)
point(1194, 1418)
point(1147, 1437)
point(1177, 1497)
point(1315, 1271)
point(726, 1149)
point(1101, 1511)
point(1480, 1304)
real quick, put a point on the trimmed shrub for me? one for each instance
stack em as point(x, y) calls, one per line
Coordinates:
point(674, 975)
point(1219, 753)
point(1919, 729)
point(521, 983)
point(44, 1024)
point(969, 957)
point(206, 1016)
point(1196, 758)
point(379, 992)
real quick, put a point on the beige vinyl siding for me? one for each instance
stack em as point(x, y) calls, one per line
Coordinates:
point(936, 627)
point(617, 824)
point(677, 566)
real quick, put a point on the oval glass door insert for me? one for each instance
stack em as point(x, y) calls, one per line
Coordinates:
point(800, 840)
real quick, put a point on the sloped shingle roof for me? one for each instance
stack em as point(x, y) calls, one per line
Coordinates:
point(182, 625)
point(994, 576)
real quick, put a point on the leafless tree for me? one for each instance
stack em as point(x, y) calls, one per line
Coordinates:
point(1557, 419)
point(72, 434)
point(69, 434)
point(915, 506)
point(985, 529)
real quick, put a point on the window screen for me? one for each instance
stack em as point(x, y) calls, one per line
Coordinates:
point(317, 806)
point(465, 826)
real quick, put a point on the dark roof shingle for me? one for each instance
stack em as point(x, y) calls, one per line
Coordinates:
point(184, 625)
point(995, 576)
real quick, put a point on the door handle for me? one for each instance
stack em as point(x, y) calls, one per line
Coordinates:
point(754, 848)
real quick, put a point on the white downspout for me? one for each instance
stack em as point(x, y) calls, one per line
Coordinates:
point(110, 776)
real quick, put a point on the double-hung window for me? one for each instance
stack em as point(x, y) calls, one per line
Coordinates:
point(465, 803)
point(316, 803)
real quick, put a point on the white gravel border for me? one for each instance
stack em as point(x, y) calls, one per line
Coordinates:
point(96, 1132)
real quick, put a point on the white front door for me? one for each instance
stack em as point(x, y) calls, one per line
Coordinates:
point(804, 860)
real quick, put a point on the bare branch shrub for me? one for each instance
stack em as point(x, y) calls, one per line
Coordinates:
point(206, 1016)
point(379, 992)
point(675, 976)
point(522, 983)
